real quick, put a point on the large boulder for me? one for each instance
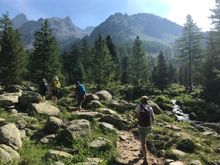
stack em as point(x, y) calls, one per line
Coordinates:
point(11, 136)
point(76, 129)
point(156, 108)
point(53, 124)
point(117, 121)
point(45, 108)
point(121, 105)
point(8, 154)
point(107, 111)
point(29, 97)
point(9, 99)
point(104, 95)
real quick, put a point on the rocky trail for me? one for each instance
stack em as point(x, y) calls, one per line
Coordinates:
point(128, 148)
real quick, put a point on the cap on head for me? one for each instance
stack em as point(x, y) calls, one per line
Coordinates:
point(55, 78)
point(44, 80)
point(77, 83)
point(144, 99)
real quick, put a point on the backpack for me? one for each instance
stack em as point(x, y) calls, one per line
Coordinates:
point(144, 118)
point(81, 90)
point(56, 84)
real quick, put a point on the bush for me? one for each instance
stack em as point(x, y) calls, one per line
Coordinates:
point(186, 145)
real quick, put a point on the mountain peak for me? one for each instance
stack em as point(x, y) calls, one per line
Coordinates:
point(19, 20)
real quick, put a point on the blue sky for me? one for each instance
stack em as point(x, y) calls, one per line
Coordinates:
point(92, 12)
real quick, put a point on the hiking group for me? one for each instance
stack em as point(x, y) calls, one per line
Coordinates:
point(53, 91)
point(144, 112)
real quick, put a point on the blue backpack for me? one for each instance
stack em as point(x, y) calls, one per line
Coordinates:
point(81, 90)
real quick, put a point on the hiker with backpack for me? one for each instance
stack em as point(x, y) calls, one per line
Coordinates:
point(43, 88)
point(80, 93)
point(55, 87)
point(145, 115)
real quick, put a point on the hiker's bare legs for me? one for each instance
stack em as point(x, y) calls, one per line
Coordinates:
point(144, 150)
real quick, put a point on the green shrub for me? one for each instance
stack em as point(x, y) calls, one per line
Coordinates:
point(186, 145)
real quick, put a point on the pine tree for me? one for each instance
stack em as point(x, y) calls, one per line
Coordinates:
point(171, 74)
point(103, 68)
point(78, 72)
point(87, 57)
point(188, 47)
point(45, 60)
point(114, 56)
point(138, 66)
point(12, 54)
point(124, 70)
point(161, 73)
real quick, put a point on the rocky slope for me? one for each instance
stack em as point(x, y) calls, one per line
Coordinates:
point(36, 132)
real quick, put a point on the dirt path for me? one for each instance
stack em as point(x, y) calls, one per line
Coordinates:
point(128, 148)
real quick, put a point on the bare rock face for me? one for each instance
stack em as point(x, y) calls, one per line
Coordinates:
point(45, 108)
point(11, 136)
point(53, 124)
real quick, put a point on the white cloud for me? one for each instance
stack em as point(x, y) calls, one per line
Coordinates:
point(198, 9)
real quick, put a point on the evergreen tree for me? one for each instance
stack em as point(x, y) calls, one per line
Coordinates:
point(138, 66)
point(124, 70)
point(171, 74)
point(161, 73)
point(78, 73)
point(103, 68)
point(12, 54)
point(45, 60)
point(188, 47)
point(114, 56)
point(87, 57)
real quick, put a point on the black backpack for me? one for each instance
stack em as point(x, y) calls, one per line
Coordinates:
point(144, 118)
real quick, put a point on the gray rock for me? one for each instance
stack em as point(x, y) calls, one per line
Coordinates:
point(57, 163)
point(23, 134)
point(58, 155)
point(195, 162)
point(89, 115)
point(13, 111)
point(193, 116)
point(29, 97)
point(90, 97)
point(168, 161)
point(107, 126)
point(10, 135)
point(177, 163)
point(117, 121)
point(104, 95)
point(7, 154)
point(9, 99)
point(48, 139)
point(94, 104)
point(45, 108)
point(53, 124)
point(178, 153)
point(76, 129)
point(107, 111)
point(91, 161)
point(98, 144)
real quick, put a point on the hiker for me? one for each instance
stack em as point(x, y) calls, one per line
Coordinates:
point(55, 87)
point(43, 88)
point(145, 115)
point(80, 94)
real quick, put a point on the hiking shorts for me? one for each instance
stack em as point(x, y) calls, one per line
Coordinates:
point(143, 132)
point(80, 99)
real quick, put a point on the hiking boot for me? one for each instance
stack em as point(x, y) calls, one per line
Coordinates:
point(145, 162)
point(154, 162)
